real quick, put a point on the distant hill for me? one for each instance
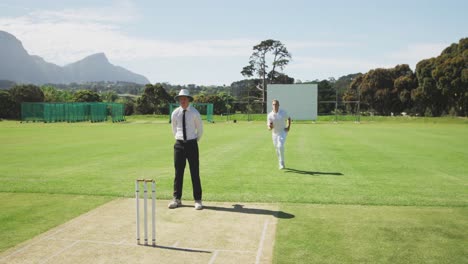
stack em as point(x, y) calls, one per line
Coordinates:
point(97, 67)
point(5, 84)
point(18, 66)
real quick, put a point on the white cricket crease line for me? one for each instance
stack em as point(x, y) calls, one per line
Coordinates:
point(70, 223)
point(229, 250)
point(262, 240)
point(21, 249)
point(60, 251)
point(90, 241)
point(175, 244)
point(135, 245)
point(213, 258)
point(30, 245)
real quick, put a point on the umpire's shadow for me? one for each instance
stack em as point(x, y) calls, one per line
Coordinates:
point(290, 170)
point(239, 208)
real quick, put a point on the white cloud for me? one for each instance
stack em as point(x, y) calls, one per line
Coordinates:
point(65, 36)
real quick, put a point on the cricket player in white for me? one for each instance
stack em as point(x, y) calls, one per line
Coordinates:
point(276, 122)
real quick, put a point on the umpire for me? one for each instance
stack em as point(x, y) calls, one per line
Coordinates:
point(187, 128)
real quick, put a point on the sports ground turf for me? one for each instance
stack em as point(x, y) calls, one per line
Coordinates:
point(382, 191)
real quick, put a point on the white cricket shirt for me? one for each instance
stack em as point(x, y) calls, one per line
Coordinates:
point(193, 123)
point(279, 120)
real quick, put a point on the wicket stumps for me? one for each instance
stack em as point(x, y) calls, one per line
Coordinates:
point(145, 213)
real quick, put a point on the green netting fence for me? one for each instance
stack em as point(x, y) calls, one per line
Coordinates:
point(205, 109)
point(117, 112)
point(72, 112)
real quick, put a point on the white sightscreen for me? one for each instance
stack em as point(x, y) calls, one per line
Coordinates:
point(299, 100)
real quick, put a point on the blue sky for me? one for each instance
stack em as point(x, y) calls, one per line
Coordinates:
point(207, 42)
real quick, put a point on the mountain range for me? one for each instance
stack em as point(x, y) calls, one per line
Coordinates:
point(18, 66)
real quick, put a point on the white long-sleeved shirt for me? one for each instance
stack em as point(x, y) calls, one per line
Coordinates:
point(193, 124)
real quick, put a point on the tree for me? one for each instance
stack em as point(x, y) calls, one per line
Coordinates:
point(129, 105)
point(163, 99)
point(343, 83)
point(385, 91)
point(244, 89)
point(155, 100)
point(404, 81)
point(353, 91)
point(25, 93)
point(86, 96)
point(443, 82)
point(404, 86)
point(109, 96)
point(146, 103)
point(52, 94)
point(326, 92)
point(281, 78)
point(427, 97)
point(7, 105)
point(267, 50)
point(246, 95)
point(450, 68)
point(221, 101)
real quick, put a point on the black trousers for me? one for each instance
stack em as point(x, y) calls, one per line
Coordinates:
point(186, 151)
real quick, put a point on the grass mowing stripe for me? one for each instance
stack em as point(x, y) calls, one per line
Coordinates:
point(329, 163)
point(371, 234)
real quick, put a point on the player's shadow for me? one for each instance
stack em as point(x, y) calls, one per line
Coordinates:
point(290, 170)
point(239, 208)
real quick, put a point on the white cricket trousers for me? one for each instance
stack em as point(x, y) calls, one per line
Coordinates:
point(278, 141)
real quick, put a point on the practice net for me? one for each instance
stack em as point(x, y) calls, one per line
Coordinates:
point(72, 112)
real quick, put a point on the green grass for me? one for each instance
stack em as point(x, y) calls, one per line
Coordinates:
point(24, 215)
point(372, 234)
point(391, 171)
